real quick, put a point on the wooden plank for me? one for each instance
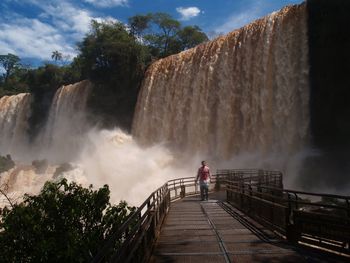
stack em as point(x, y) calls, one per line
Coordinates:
point(196, 231)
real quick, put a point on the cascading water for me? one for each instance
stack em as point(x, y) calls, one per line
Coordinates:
point(14, 114)
point(62, 137)
point(98, 157)
point(61, 140)
point(244, 92)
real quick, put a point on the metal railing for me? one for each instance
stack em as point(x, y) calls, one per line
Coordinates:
point(316, 219)
point(134, 239)
point(319, 219)
point(299, 216)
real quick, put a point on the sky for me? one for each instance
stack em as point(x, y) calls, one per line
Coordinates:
point(33, 29)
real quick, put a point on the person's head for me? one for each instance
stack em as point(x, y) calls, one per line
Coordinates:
point(203, 163)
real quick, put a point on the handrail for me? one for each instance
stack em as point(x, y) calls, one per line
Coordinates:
point(258, 193)
point(134, 238)
point(140, 226)
point(318, 194)
point(299, 216)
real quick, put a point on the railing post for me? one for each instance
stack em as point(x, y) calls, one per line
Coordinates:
point(175, 189)
point(241, 192)
point(183, 191)
point(250, 197)
point(292, 233)
point(348, 212)
point(217, 186)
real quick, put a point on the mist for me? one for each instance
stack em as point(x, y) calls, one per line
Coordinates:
point(133, 171)
point(105, 157)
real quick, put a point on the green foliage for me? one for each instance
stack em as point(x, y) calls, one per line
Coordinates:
point(164, 35)
point(13, 80)
point(108, 48)
point(15, 83)
point(164, 41)
point(139, 23)
point(191, 36)
point(6, 163)
point(64, 223)
point(9, 62)
point(56, 55)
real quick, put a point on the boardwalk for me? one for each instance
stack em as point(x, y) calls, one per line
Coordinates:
point(213, 231)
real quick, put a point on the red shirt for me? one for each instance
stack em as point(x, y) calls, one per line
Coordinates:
point(203, 173)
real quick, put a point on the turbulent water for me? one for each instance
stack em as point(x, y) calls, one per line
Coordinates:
point(14, 114)
point(108, 157)
point(63, 134)
point(96, 157)
point(244, 92)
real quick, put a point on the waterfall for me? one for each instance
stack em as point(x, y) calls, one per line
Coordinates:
point(63, 134)
point(14, 114)
point(247, 91)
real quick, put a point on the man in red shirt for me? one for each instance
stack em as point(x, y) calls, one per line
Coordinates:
point(204, 178)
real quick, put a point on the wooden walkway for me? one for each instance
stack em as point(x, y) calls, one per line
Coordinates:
point(214, 231)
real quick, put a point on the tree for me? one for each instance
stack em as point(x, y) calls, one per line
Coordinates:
point(164, 35)
point(138, 24)
point(57, 56)
point(191, 36)
point(15, 83)
point(9, 62)
point(162, 40)
point(169, 28)
point(64, 223)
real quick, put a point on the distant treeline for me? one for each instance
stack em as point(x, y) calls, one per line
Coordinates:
point(114, 56)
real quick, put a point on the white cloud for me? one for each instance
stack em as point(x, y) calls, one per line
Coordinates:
point(4, 47)
point(188, 12)
point(67, 17)
point(58, 27)
point(107, 3)
point(32, 38)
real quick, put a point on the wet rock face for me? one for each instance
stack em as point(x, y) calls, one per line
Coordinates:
point(329, 42)
point(247, 91)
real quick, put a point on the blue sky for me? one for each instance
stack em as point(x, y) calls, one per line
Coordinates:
point(32, 29)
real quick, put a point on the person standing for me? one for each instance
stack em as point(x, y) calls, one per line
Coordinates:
point(204, 178)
